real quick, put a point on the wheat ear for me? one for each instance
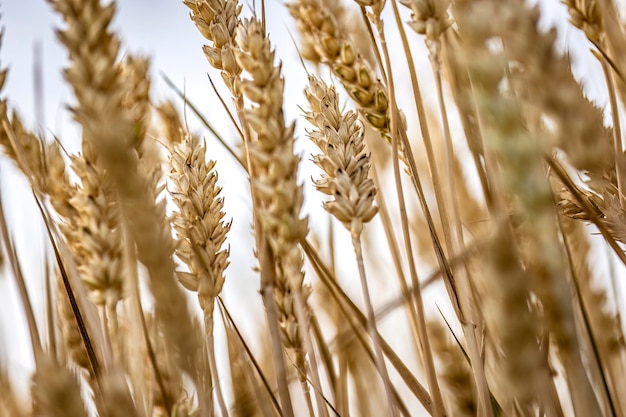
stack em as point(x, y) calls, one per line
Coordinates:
point(346, 179)
point(201, 233)
point(280, 197)
point(217, 21)
point(332, 43)
point(95, 75)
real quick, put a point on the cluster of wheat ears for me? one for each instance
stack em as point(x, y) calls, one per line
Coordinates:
point(499, 209)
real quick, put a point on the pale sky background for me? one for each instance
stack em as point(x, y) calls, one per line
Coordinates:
point(162, 30)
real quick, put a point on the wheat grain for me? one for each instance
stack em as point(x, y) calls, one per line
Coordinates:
point(518, 103)
point(429, 17)
point(279, 199)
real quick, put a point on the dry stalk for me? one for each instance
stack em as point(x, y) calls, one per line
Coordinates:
point(167, 394)
point(73, 346)
point(397, 129)
point(430, 18)
point(352, 314)
point(604, 326)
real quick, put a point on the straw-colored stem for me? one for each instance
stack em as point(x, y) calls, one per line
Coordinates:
point(407, 297)
point(138, 323)
point(325, 355)
point(424, 130)
point(301, 316)
point(438, 408)
point(594, 361)
point(371, 321)
point(304, 385)
point(52, 343)
point(210, 345)
point(267, 292)
point(462, 278)
point(21, 285)
point(231, 323)
point(351, 311)
point(449, 160)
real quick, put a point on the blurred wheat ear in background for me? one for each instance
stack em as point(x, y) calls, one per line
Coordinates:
point(451, 268)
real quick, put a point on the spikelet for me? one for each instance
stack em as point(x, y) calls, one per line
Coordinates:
point(29, 148)
point(95, 75)
point(58, 187)
point(275, 166)
point(343, 160)
point(377, 6)
point(570, 207)
point(429, 18)
point(200, 228)
point(586, 16)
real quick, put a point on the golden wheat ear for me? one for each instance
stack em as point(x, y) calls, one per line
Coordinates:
point(201, 234)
